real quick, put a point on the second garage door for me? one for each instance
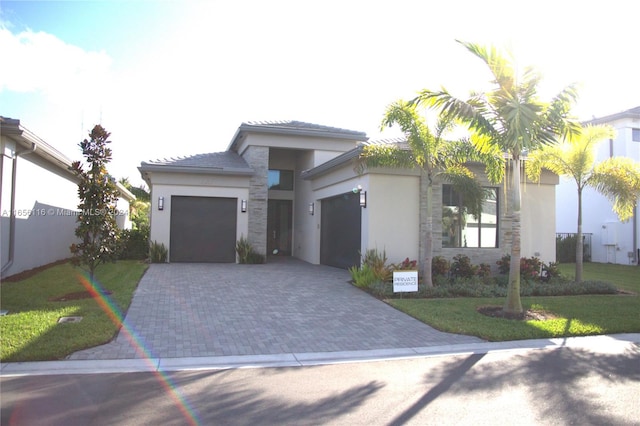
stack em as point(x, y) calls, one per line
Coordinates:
point(341, 231)
point(203, 229)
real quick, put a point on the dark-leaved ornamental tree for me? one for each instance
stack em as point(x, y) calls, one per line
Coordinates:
point(97, 229)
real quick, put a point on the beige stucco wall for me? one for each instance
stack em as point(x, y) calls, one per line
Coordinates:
point(305, 236)
point(390, 220)
point(168, 184)
point(538, 219)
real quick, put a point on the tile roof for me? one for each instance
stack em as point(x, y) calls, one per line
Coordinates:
point(223, 161)
point(294, 125)
point(633, 113)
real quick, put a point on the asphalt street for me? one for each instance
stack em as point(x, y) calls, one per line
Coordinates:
point(552, 386)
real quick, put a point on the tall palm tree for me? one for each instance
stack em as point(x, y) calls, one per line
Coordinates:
point(617, 178)
point(434, 157)
point(513, 119)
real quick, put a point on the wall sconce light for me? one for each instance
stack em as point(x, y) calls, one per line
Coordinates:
point(243, 206)
point(160, 203)
point(312, 208)
point(363, 199)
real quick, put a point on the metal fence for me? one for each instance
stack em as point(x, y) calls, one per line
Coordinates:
point(566, 247)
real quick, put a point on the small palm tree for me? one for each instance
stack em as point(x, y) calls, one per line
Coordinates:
point(434, 157)
point(513, 119)
point(617, 178)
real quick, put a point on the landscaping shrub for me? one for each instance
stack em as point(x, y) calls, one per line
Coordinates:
point(530, 268)
point(377, 262)
point(134, 243)
point(566, 249)
point(363, 277)
point(461, 267)
point(405, 265)
point(440, 267)
point(375, 272)
point(484, 270)
point(158, 252)
point(478, 287)
point(246, 252)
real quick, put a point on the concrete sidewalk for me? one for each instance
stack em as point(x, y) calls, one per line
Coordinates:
point(603, 343)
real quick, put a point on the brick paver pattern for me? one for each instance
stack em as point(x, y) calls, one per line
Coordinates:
point(285, 306)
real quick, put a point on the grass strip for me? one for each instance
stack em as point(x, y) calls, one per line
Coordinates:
point(31, 332)
point(574, 315)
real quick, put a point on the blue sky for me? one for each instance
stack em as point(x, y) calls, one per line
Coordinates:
point(173, 78)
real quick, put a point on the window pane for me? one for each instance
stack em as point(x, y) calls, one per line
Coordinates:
point(489, 220)
point(635, 135)
point(281, 180)
point(450, 217)
point(460, 229)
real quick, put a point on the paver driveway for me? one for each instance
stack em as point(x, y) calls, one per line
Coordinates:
point(285, 306)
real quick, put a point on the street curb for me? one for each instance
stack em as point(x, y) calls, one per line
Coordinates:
point(159, 365)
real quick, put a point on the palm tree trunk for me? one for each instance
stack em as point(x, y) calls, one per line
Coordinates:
point(425, 245)
point(579, 246)
point(428, 255)
point(513, 304)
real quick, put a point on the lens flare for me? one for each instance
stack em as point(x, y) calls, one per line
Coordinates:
point(116, 315)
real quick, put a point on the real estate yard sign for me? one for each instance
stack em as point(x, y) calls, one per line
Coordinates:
point(405, 281)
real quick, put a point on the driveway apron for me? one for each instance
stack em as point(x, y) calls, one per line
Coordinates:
point(285, 306)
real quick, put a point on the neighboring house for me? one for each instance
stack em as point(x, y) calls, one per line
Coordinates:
point(291, 189)
point(611, 241)
point(38, 201)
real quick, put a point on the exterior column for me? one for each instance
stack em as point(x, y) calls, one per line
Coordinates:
point(258, 158)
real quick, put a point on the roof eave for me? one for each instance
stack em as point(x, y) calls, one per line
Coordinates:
point(252, 128)
point(33, 144)
point(146, 167)
point(328, 166)
point(612, 117)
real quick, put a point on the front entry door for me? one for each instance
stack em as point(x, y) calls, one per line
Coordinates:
point(279, 227)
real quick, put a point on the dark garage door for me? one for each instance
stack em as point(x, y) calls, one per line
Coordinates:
point(203, 229)
point(340, 231)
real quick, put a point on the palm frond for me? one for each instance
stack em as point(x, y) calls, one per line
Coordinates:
point(618, 179)
point(387, 155)
point(465, 183)
point(470, 112)
point(464, 151)
point(415, 129)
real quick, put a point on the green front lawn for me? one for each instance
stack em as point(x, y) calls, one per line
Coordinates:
point(625, 277)
point(31, 332)
point(575, 315)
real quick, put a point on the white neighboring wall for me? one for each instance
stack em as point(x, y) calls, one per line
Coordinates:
point(612, 241)
point(43, 198)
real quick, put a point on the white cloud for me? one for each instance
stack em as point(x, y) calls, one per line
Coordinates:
point(37, 61)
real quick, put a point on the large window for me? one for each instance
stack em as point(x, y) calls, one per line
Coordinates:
point(281, 180)
point(461, 229)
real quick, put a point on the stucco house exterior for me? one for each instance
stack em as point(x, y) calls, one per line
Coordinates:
point(38, 201)
point(290, 187)
point(612, 241)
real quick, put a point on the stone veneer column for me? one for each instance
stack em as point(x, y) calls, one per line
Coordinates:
point(258, 158)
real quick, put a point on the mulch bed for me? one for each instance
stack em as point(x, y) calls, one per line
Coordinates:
point(528, 315)
point(31, 272)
